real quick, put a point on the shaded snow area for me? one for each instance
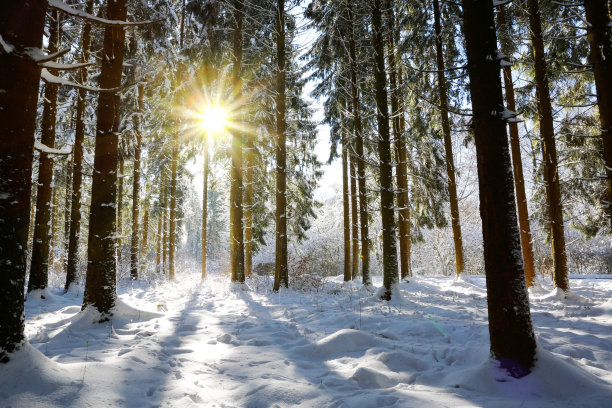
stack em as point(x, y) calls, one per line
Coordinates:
point(214, 344)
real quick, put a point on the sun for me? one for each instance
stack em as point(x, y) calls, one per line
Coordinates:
point(213, 119)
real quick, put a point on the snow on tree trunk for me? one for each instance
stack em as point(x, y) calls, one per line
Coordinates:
point(204, 209)
point(359, 153)
point(77, 161)
point(403, 215)
point(281, 271)
point(134, 251)
point(517, 167)
point(39, 268)
point(19, 81)
point(387, 208)
point(100, 284)
point(346, 205)
point(236, 230)
point(510, 327)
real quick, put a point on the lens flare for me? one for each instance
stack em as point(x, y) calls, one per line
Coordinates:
point(213, 119)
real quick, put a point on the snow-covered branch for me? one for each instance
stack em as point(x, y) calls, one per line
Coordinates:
point(37, 55)
point(43, 148)
point(64, 67)
point(8, 48)
point(64, 8)
point(498, 3)
point(53, 79)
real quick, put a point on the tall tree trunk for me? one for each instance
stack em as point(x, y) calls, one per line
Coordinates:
point(248, 205)
point(136, 187)
point(19, 78)
point(100, 284)
point(160, 231)
point(400, 147)
point(387, 211)
point(281, 272)
point(174, 167)
point(77, 161)
point(166, 241)
point(172, 230)
point(510, 328)
point(236, 231)
point(144, 246)
point(53, 242)
point(448, 144)
point(549, 150)
point(39, 268)
point(346, 203)
point(402, 175)
point(599, 31)
point(32, 215)
point(205, 210)
point(359, 152)
point(120, 177)
point(354, 209)
point(67, 171)
point(517, 167)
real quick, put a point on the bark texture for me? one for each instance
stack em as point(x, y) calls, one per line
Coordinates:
point(549, 150)
point(135, 250)
point(510, 327)
point(517, 167)
point(205, 210)
point(359, 152)
point(248, 204)
point(599, 32)
point(100, 284)
point(448, 144)
point(281, 270)
point(387, 208)
point(77, 161)
point(346, 205)
point(39, 268)
point(236, 193)
point(400, 146)
point(354, 219)
point(19, 78)
point(172, 230)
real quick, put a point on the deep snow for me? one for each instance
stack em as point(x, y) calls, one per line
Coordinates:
point(214, 344)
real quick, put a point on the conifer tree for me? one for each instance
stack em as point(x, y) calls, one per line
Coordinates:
point(236, 193)
point(346, 202)
point(599, 31)
point(390, 273)
point(517, 162)
point(448, 145)
point(359, 151)
point(39, 267)
point(100, 284)
point(399, 137)
point(281, 271)
point(19, 78)
point(77, 159)
point(172, 232)
point(135, 250)
point(510, 328)
point(549, 150)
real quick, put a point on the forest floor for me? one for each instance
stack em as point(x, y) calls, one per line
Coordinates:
point(213, 344)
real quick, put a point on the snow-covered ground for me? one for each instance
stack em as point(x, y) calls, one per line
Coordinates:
point(188, 344)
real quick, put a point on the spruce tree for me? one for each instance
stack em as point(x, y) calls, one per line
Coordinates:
point(19, 78)
point(387, 209)
point(510, 328)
